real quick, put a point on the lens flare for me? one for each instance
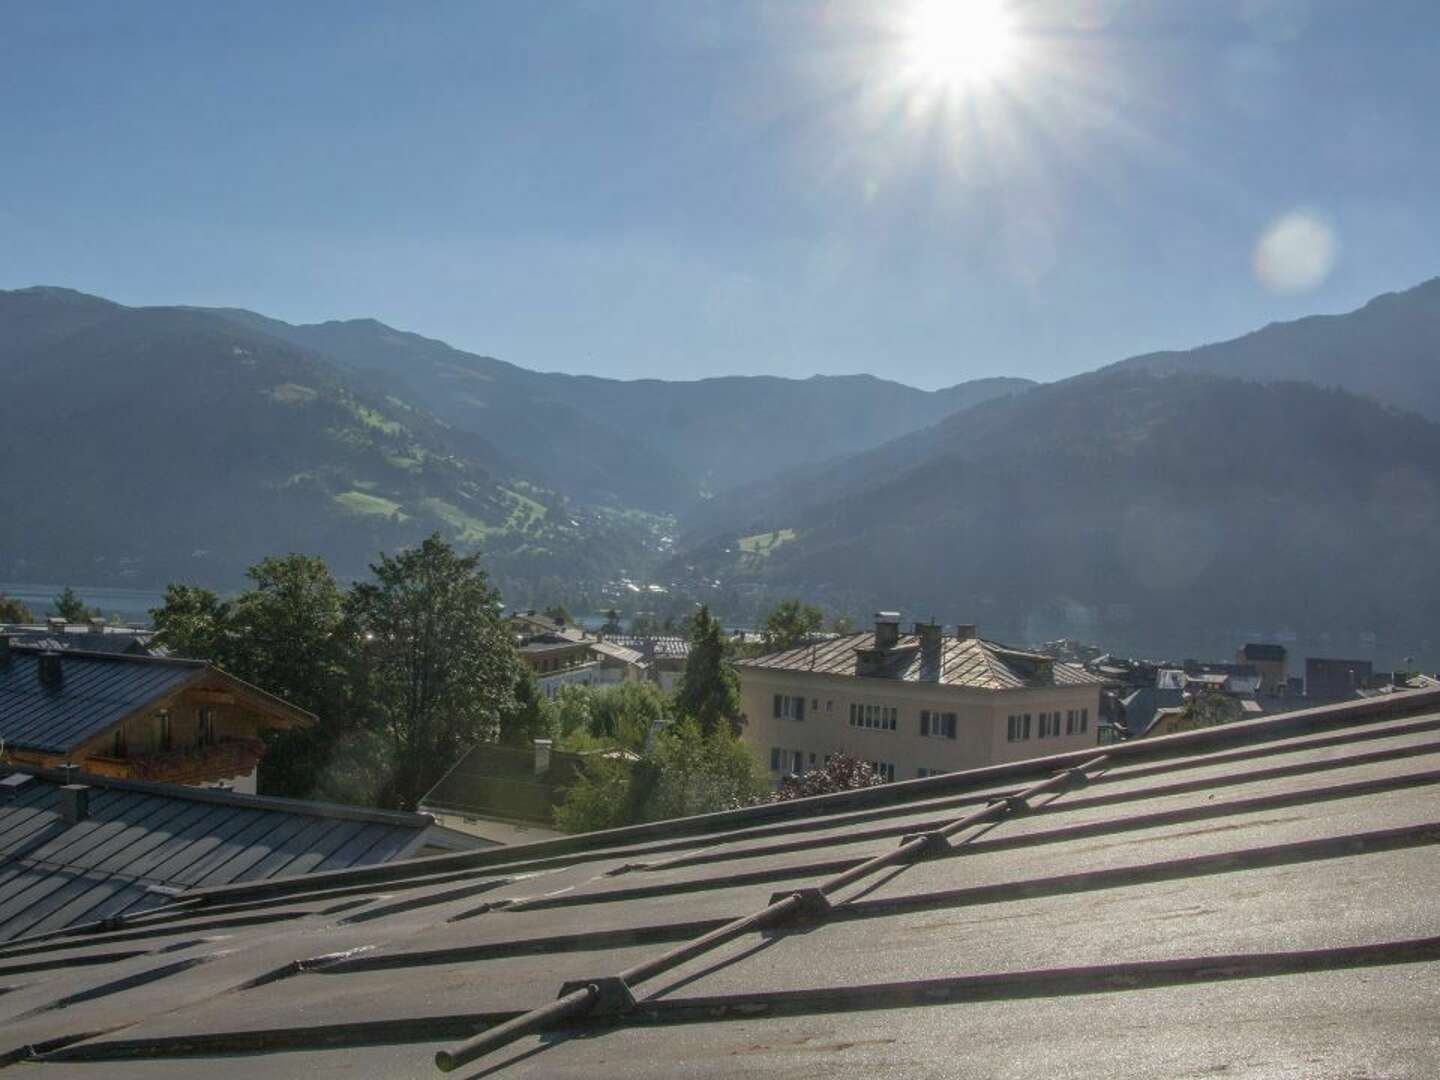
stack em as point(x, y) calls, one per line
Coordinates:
point(1296, 253)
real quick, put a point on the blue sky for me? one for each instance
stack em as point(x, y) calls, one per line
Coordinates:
point(685, 188)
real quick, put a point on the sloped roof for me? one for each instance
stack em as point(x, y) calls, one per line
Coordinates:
point(663, 647)
point(98, 690)
point(139, 837)
point(84, 637)
point(971, 662)
point(1251, 899)
point(614, 651)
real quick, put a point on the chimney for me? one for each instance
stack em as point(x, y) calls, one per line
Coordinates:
point(74, 803)
point(97, 626)
point(56, 624)
point(49, 670)
point(931, 654)
point(929, 635)
point(887, 629)
point(965, 631)
point(542, 756)
point(13, 785)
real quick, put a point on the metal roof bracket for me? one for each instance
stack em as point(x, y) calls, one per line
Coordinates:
point(813, 904)
point(1077, 779)
point(1015, 804)
point(612, 994)
point(933, 843)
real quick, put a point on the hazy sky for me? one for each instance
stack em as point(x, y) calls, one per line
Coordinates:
point(686, 188)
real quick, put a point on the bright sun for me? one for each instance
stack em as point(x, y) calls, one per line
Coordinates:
point(959, 43)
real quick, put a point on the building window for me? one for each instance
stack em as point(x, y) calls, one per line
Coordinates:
point(1016, 729)
point(937, 725)
point(923, 773)
point(118, 747)
point(789, 708)
point(787, 761)
point(204, 726)
point(1084, 719)
point(163, 720)
point(884, 769)
point(878, 717)
point(829, 706)
point(1070, 722)
point(1049, 724)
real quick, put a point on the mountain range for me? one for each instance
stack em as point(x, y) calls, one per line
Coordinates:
point(1283, 484)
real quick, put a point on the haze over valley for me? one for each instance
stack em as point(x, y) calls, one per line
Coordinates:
point(1280, 485)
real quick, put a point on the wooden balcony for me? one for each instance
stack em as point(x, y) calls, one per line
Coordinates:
point(198, 764)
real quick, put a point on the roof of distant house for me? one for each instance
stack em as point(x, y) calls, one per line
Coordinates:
point(661, 647)
point(1257, 896)
point(615, 651)
point(970, 662)
point(97, 690)
point(85, 637)
point(140, 843)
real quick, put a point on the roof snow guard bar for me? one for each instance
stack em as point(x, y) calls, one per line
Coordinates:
point(612, 995)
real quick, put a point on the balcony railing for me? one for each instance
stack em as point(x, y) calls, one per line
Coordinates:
point(228, 757)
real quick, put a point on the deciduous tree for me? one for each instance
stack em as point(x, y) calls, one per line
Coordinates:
point(791, 623)
point(435, 670)
point(13, 610)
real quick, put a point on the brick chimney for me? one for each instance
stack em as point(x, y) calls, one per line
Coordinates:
point(965, 631)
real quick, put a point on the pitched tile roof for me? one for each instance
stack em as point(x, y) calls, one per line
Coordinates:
point(1254, 898)
point(971, 662)
point(140, 842)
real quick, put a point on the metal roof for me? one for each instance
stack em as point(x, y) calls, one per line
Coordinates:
point(1255, 899)
point(971, 662)
point(95, 691)
point(83, 636)
point(138, 839)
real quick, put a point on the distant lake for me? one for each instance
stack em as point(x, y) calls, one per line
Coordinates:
point(132, 605)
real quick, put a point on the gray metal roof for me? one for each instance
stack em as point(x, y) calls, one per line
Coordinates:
point(1250, 900)
point(140, 836)
point(95, 692)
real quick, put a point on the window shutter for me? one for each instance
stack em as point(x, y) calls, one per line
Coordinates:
point(777, 706)
point(924, 721)
point(799, 708)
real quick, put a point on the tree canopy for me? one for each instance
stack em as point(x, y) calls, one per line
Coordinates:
point(789, 624)
point(71, 608)
point(435, 670)
point(14, 610)
point(841, 772)
point(404, 671)
point(709, 690)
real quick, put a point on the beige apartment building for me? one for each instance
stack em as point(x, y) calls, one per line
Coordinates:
point(914, 705)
